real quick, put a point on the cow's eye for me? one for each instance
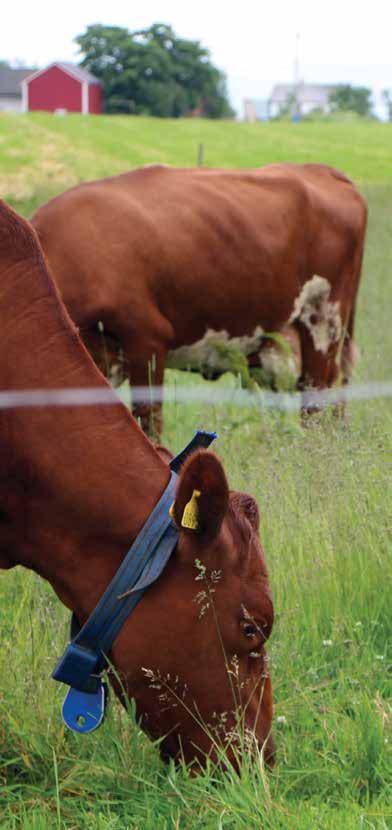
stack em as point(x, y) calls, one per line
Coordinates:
point(249, 628)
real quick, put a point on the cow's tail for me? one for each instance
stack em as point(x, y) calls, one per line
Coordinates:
point(350, 351)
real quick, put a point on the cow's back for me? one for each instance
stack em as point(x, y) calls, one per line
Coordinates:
point(211, 248)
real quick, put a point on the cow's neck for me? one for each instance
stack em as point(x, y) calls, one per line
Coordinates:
point(76, 484)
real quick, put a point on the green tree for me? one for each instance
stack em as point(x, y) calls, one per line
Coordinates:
point(387, 98)
point(352, 98)
point(153, 72)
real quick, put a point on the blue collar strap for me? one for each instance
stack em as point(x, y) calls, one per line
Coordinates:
point(84, 659)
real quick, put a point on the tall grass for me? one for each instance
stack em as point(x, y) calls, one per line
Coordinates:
point(326, 529)
point(325, 502)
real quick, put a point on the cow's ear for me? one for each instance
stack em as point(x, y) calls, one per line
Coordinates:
point(248, 506)
point(202, 495)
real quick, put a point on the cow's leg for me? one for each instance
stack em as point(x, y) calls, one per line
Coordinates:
point(350, 352)
point(145, 336)
point(320, 369)
point(147, 370)
point(145, 366)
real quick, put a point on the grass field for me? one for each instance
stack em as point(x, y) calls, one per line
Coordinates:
point(40, 154)
point(325, 497)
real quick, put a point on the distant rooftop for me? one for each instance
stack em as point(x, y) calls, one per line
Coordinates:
point(73, 69)
point(305, 93)
point(80, 73)
point(10, 79)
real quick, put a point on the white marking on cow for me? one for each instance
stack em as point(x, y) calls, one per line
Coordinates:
point(318, 313)
point(275, 361)
point(217, 352)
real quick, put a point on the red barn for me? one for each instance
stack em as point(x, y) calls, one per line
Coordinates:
point(62, 86)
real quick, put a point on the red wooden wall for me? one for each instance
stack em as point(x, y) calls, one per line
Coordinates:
point(95, 99)
point(55, 89)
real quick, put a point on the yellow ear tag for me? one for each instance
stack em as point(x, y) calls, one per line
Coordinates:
point(190, 518)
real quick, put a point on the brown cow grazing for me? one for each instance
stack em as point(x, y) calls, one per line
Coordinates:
point(77, 485)
point(162, 257)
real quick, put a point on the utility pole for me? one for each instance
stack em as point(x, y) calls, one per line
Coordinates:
point(296, 81)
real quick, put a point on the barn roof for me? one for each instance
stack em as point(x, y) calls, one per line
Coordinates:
point(10, 79)
point(81, 75)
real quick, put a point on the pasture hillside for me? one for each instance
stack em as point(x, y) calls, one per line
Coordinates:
point(325, 502)
point(40, 154)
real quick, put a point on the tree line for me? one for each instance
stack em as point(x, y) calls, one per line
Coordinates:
point(154, 72)
point(343, 98)
point(348, 98)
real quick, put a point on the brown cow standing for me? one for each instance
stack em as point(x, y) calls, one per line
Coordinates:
point(76, 486)
point(161, 255)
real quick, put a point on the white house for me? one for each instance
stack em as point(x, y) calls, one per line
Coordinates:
point(301, 98)
point(256, 109)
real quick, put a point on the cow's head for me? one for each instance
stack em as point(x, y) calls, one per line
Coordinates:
point(76, 486)
point(196, 642)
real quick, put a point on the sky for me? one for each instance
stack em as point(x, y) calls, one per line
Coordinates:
point(252, 41)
